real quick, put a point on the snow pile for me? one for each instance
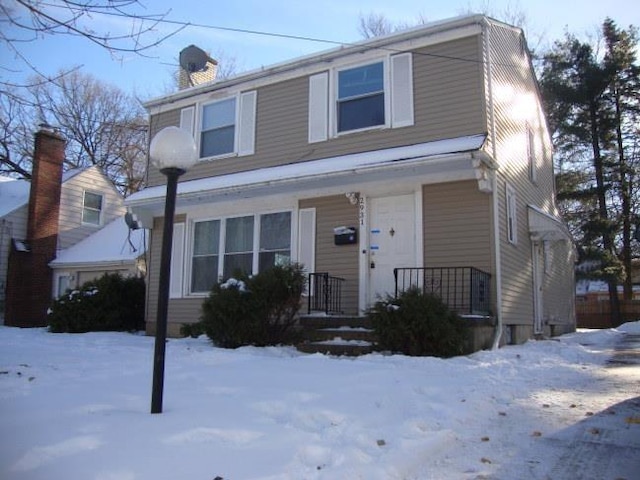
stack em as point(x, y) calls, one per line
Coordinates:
point(77, 407)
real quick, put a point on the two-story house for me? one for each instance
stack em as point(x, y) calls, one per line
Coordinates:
point(40, 218)
point(418, 158)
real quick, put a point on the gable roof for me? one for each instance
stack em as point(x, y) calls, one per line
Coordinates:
point(110, 245)
point(14, 193)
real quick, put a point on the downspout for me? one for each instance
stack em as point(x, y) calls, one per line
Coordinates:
point(494, 188)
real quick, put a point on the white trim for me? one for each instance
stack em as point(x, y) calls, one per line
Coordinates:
point(187, 119)
point(246, 123)
point(318, 107)
point(401, 90)
point(176, 277)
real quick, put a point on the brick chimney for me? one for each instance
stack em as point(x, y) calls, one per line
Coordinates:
point(29, 278)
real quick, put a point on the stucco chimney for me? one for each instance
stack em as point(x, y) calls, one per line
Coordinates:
point(29, 278)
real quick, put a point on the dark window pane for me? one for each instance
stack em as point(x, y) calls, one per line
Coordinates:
point(206, 238)
point(91, 216)
point(267, 260)
point(204, 273)
point(360, 81)
point(275, 231)
point(361, 113)
point(217, 142)
point(237, 262)
point(239, 236)
point(92, 200)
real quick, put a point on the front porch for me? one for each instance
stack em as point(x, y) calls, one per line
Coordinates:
point(466, 290)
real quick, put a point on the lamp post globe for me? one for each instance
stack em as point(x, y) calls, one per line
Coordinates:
point(172, 151)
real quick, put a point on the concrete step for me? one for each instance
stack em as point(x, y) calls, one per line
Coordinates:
point(334, 321)
point(350, 349)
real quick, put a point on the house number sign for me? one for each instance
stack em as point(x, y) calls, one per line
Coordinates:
point(362, 210)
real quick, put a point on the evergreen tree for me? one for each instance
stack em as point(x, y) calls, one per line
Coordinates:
point(592, 104)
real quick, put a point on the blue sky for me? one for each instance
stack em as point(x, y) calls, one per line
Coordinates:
point(335, 20)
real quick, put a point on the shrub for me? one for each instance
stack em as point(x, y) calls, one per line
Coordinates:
point(110, 303)
point(418, 324)
point(259, 310)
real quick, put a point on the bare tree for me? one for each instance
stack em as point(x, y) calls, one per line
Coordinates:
point(376, 25)
point(28, 20)
point(16, 141)
point(103, 126)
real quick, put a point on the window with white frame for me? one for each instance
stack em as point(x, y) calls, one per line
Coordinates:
point(359, 97)
point(218, 128)
point(360, 102)
point(92, 208)
point(512, 215)
point(224, 127)
point(206, 254)
point(275, 240)
point(249, 244)
point(531, 155)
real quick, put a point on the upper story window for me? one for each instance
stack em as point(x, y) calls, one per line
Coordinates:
point(512, 215)
point(218, 128)
point(224, 127)
point(360, 102)
point(92, 208)
point(374, 95)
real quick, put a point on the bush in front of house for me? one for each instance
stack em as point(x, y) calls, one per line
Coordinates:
point(109, 303)
point(260, 310)
point(418, 324)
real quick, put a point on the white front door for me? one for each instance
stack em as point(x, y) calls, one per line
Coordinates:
point(538, 278)
point(392, 242)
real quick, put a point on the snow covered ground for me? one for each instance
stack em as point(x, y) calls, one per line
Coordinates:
point(76, 407)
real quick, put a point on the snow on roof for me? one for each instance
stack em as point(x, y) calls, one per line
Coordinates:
point(107, 245)
point(15, 193)
point(343, 164)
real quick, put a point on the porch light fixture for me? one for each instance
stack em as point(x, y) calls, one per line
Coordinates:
point(172, 151)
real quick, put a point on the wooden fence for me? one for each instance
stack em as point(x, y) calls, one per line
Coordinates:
point(597, 313)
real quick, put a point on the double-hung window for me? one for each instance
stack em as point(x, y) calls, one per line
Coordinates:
point(238, 255)
point(275, 240)
point(378, 94)
point(360, 102)
point(218, 128)
point(206, 249)
point(91, 208)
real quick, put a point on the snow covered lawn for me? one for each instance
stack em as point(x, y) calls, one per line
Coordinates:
point(76, 407)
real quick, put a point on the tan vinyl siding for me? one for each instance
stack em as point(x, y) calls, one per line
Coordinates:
point(448, 103)
point(516, 105)
point(337, 260)
point(457, 226)
point(180, 310)
point(72, 230)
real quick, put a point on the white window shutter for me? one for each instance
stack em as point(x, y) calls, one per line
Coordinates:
point(401, 90)
point(318, 107)
point(247, 123)
point(177, 258)
point(187, 119)
point(307, 238)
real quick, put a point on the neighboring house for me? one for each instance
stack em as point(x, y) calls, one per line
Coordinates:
point(61, 210)
point(425, 151)
point(112, 249)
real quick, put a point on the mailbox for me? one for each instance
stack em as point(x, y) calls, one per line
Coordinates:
point(345, 235)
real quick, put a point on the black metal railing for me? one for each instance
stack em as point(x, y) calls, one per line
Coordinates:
point(325, 293)
point(467, 290)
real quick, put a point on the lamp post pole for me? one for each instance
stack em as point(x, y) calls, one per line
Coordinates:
point(172, 175)
point(172, 150)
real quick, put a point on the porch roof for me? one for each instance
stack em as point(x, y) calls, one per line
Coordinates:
point(544, 226)
point(331, 171)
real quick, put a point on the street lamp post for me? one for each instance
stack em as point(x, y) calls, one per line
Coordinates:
point(172, 151)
